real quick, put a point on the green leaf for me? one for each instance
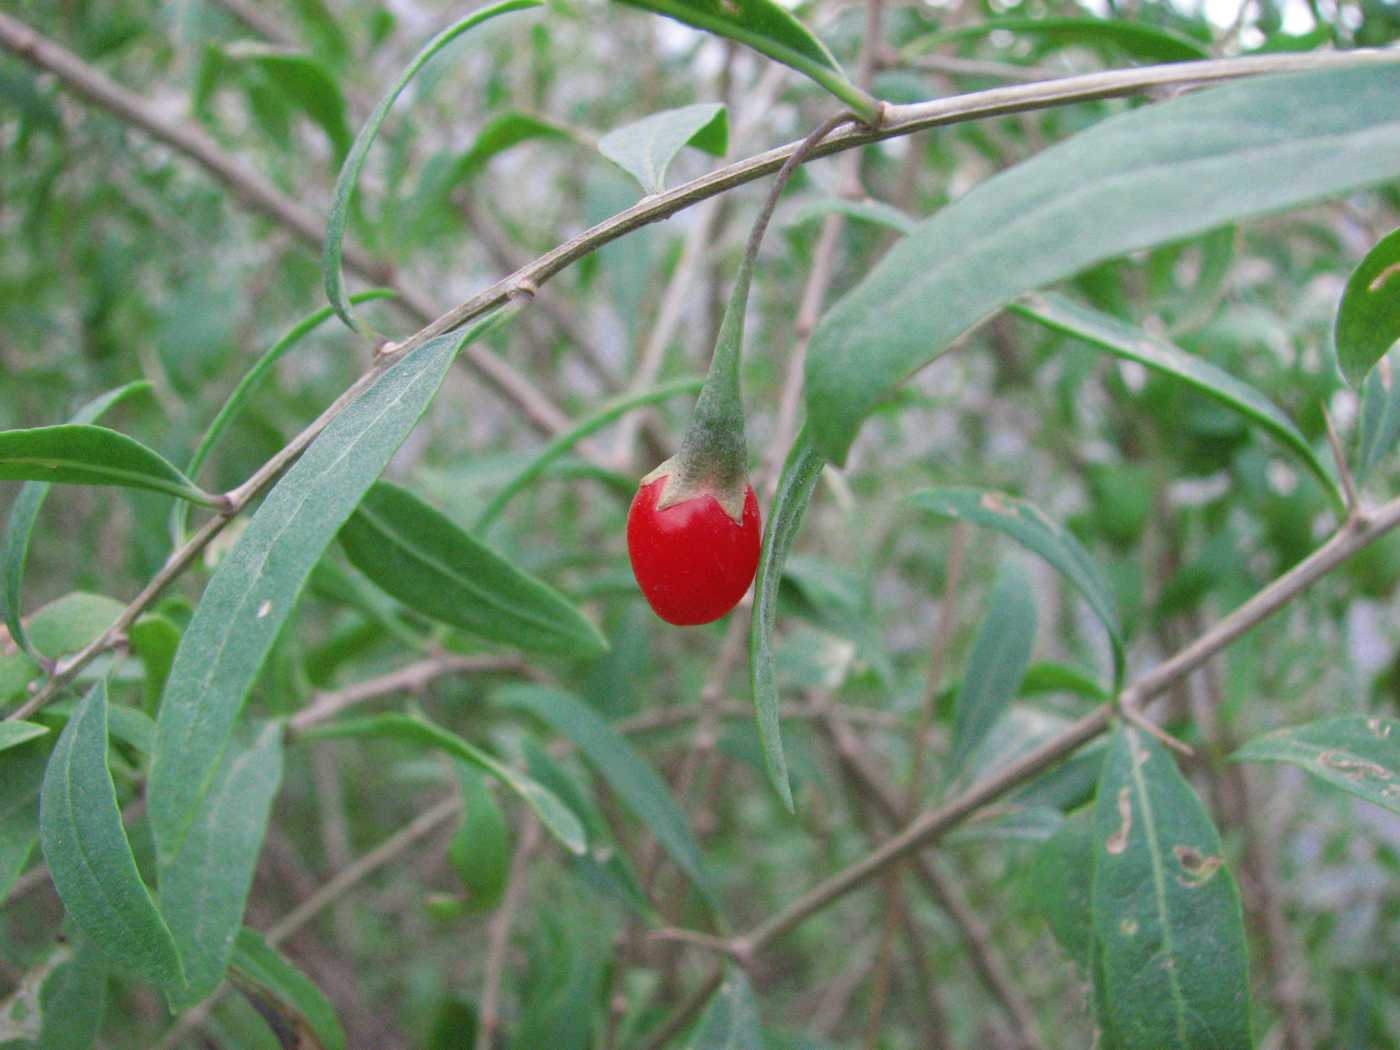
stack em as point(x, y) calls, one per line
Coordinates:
point(557, 818)
point(419, 556)
point(127, 724)
point(14, 546)
point(257, 583)
point(1166, 913)
point(1000, 656)
point(1358, 753)
point(257, 965)
point(561, 444)
point(14, 733)
point(794, 491)
point(480, 847)
point(1134, 344)
point(303, 81)
point(1380, 420)
point(154, 640)
point(1148, 176)
point(644, 149)
point(89, 858)
point(767, 27)
point(21, 776)
point(1049, 677)
point(1155, 43)
point(1059, 881)
point(345, 184)
point(58, 1002)
point(631, 777)
point(67, 624)
point(877, 212)
point(243, 393)
point(17, 670)
point(731, 1021)
point(1029, 526)
point(1368, 319)
point(204, 887)
point(81, 454)
point(499, 134)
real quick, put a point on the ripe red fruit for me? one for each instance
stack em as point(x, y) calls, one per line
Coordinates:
point(692, 560)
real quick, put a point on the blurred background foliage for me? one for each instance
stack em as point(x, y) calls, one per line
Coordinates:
point(119, 259)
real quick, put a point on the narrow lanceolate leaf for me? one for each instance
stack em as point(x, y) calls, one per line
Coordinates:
point(800, 473)
point(767, 27)
point(999, 659)
point(1151, 42)
point(644, 149)
point(257, 583)
point(13, 733)
point(89, 857)
point(243, 393)
point(731, 1021)
point(1368, 320)
point(304, 81)
point(1133, 344)
point(561, 444)
point(349, 177)
point(204, 887)
point(631, 777)
point(1149, 176)
point(1029, 526)
point(1357, 753)
point(1166, 914)
point(1380, 418)
point(480, 847)
point(422, 558)
point(82, 454)
point(873, 211)
point(1059, 880)
point(557, 818)
point(259, 968)
point(14, 546)
point(499, 134)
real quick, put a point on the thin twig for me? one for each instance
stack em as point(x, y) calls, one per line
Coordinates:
point(498, 939)
point(1343, 468)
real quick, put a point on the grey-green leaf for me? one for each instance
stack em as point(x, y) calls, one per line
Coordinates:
point(418, 555)
point(645, 148)
point(1368, 319)
point(1155, 43)
point(13, 733)
point(767, 27)
point(1133, 344)
point(1029, 526)
point(14, 546)
point(1380, 419)
point(89, 857)
point(480, 847)
point(557, 818)
point(257, 583)
point(349, 177)
point(204, 887)
point(873, 211)
point(731, 1021)
point(1000, 655)
point(58, 1004)
point(801, 470)
point(630, 776)
point(1059, 881)
point(82, 454)
point(258, 965)
point(23, 775)
point(1149, 176)
point(1357, 753)
point(1166, 914)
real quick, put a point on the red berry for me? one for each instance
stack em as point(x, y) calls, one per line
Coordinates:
point(691, 559)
